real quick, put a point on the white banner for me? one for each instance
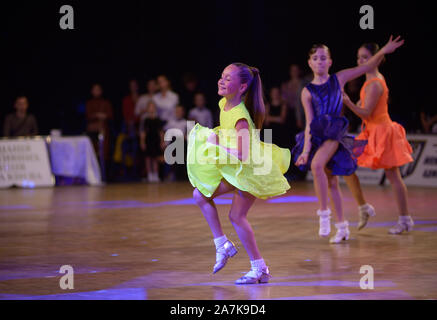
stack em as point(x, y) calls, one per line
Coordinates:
point(421, 172)
point(25, 163)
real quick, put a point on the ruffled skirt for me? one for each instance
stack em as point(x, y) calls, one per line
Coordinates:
point(208, 164)
point(387, 146)
point(328, 127)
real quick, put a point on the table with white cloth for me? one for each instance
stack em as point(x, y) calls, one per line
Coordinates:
point(74, 157)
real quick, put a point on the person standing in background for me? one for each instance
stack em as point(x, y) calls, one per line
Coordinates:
point(99, 113)
point(200, 113)
point(166, 100)
point(290, 91)
point(143, 100)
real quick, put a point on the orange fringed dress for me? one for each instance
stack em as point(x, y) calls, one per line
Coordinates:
point(387, 145)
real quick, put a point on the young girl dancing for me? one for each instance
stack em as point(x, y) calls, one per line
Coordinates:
point(324, 146)
point(387, 146)
point(229, 158)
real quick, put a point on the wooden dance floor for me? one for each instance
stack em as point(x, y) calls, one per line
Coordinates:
point(150, 241)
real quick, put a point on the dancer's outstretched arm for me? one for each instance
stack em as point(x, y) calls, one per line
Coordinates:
point(347, 75)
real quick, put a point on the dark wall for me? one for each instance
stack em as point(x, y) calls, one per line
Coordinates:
point(114, 41)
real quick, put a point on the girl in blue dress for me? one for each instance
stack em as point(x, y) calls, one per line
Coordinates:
point(324, 146)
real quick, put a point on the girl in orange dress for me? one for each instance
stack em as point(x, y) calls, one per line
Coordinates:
point(387, 146)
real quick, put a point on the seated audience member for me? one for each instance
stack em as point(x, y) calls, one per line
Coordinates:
point(20, 123)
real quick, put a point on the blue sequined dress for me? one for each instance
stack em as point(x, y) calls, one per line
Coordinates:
point(328, 124)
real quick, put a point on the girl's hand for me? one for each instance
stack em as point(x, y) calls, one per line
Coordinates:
point(302, 159)
point(213, 138)
point(392, 45)
point(346, 100)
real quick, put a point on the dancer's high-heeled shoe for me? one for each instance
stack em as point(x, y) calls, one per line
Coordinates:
point(255, 276)
point(342, 232)
point(226, 251)
point(405, 223)
point(365, 212)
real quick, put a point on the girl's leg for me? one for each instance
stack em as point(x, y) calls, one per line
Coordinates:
point(224, 248)
point(335, 196)
point(399, 188)
point(337, 204)
point(241, 204)
point(148, 165)
point(318, 165)
point(155, 169)
point(405, 222)
point(149, 169)
point(238, 215)
point(208, 208)
point(353, 183)
point(365, 210)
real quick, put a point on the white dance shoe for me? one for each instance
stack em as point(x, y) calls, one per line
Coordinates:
point(342, 232)
point(364, 214)
point(324, 222)
point(405, 223)
point(223, 253)
point(255, 276)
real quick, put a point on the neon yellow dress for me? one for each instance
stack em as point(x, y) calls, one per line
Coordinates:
point(261, 174)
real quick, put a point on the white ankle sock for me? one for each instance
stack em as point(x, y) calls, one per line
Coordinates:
point(363, 207)
point(258, 264)
point(404, 218)
point(220, 241)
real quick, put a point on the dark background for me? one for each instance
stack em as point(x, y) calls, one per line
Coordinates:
point(115, 41)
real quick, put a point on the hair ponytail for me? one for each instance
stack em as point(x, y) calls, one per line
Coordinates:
point(253, 97)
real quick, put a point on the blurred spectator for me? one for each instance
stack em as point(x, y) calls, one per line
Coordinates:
point(99, 113)
point(126, 144)
point(200, 113)
point(152, 141)
point(190, 87)
point(166, 100)
point(428, 119)
point(20, 123)
point(178, 125)
point(276, 115)
point(129, 104)
point(143, 100)
point(291, 91)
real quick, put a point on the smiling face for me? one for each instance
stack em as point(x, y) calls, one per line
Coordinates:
point(320, 61)
point(230, 84)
